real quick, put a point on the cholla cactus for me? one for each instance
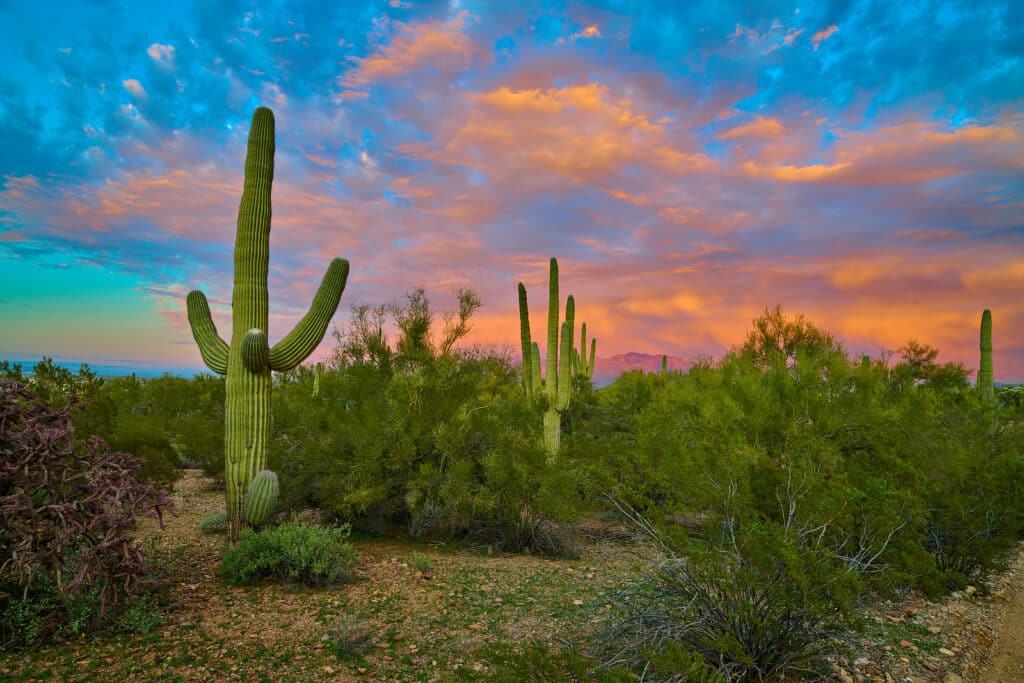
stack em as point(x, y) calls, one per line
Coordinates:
point(249, 359)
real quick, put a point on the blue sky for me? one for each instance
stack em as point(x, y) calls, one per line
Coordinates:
point(688, 163)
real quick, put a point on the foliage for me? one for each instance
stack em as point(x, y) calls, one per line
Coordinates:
point(311, 555)
point(349, 639)
point(215, 523)
point(913, 478)
point(754, 599)
point(440, 443)
point(536, 662)
point(68, 507)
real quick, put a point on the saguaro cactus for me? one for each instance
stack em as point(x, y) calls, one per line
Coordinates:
point(248, 360)
point(985, 376)
point(582, 366)
point(261, 498)
point(557, 382)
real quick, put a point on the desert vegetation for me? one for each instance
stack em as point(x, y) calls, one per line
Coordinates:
point(770, 494)
point(766, 497)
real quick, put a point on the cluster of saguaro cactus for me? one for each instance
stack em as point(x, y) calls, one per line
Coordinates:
point(261, 498)
point(582, 366)
point(985, 376)
point(249, 359)
point(557, 383)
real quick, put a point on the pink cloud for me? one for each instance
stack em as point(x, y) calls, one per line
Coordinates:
point(821, 36)
point(759, 128)
point(134, 87)
point(441, 45)
point(161, 54)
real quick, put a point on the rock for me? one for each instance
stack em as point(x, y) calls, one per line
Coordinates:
point(970, 590)
point(947, 652)
point(934, 629)
point(952, 678)
point(863, 661)
point(956, 595)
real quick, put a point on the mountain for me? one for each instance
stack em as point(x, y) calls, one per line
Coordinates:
point(607, 369)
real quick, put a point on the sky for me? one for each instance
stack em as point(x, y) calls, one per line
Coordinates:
point(688, 163)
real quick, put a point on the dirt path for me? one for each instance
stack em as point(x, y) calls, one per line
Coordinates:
point(1006, 660)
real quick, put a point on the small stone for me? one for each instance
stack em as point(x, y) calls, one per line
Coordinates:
point(907, 643)
point(956, 595)
point(970, 590)
point(577, 602)
point(329, 669)
point(947, 652)
point(863, 661)
point(934, 629)
point(382, 645)
point(952, 678)
point(895, 620)
point(476, 627)
point(361, 669)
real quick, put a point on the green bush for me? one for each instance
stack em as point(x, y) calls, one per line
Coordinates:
point(215, 523)
point(310, 555)
point(747, 600)
point(441, 443)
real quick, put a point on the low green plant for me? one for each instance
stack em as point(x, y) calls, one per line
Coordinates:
point(215, 523)
point(537, 662)
point(310, 555)
point(421, 562)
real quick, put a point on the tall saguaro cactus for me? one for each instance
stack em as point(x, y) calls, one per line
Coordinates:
point(557, 383)
point(985, 376)
point(249, 359)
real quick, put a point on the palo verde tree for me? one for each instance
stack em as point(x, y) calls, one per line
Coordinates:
point(249, 359)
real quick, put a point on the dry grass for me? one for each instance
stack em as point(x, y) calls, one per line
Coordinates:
point(422, 627)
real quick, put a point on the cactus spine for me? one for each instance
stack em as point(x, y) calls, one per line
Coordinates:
point(557, 383)
point(249, 359)
point(261, 498)
point(985, 376)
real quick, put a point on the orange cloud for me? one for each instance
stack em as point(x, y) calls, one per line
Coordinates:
point(761, 127)
point(134, 87)
point(437, 44)
point(821, 36)
point(161, 54)
point(588, 32)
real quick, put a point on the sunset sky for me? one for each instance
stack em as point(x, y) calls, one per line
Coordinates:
point(688, 164)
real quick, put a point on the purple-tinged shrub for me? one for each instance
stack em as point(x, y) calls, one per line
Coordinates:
point(67, 509)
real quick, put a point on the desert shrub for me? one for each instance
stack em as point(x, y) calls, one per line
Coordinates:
point(747, 599)
point(537, 662)
point(349, 639)
point(915, 479)
point(215, 523)
point(69, 563)
point(310, 555)
point(441, 443)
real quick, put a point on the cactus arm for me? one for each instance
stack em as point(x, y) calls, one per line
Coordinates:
point(551, 375)
point(565, 353)
point(593, 357)
point(535, 366)
point(577, 366)
point(255, 352)
point(583, 348)
point(212, 348)
point(985, 375)
point(664, 364)
point(296, 346)
point(525, 339)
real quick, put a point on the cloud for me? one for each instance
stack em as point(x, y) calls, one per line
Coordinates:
point(821, 36)
point(134, 87)
point(587, 32)
point(161, 54)
point(759, 128)
point(438, 45)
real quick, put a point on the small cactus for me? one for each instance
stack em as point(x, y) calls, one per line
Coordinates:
point(261, 498)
